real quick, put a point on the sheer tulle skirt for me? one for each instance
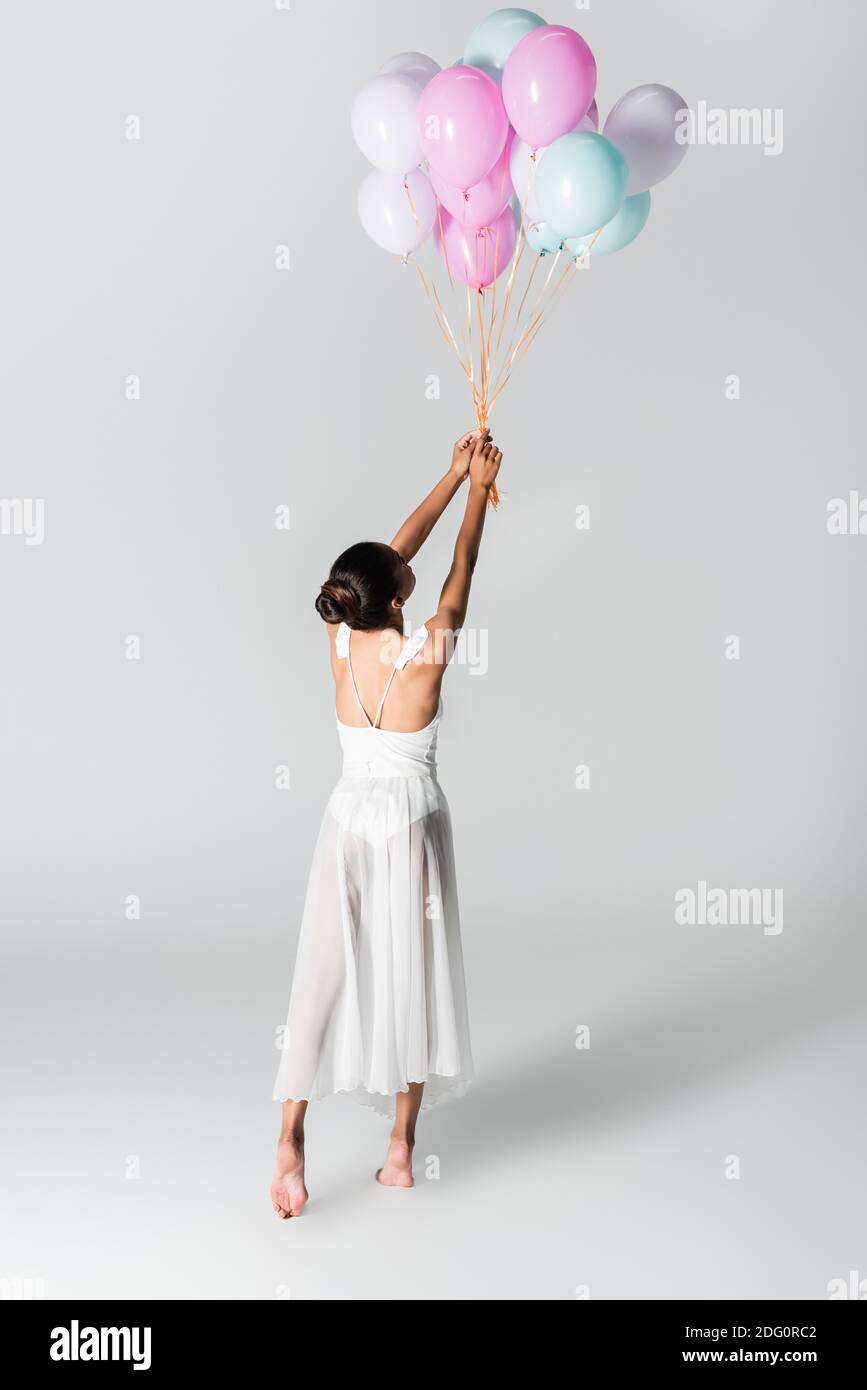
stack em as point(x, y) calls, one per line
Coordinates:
point(378, 996)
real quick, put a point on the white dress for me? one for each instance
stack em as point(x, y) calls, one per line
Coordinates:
point(378, 996)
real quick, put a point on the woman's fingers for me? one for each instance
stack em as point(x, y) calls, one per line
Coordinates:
point(484, 446)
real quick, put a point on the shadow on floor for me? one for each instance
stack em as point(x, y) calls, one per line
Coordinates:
point(676, 1045)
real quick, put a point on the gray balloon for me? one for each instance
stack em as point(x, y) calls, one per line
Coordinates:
point(649, 126)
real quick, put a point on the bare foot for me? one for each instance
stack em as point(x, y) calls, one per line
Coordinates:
point(397, 1169)
point(288, 1193)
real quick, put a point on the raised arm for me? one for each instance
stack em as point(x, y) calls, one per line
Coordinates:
point(416, 529)
point(483, 469)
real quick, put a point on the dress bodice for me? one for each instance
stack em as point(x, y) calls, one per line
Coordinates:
point(370, 752)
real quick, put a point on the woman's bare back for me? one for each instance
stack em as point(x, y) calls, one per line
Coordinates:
point(413, 696)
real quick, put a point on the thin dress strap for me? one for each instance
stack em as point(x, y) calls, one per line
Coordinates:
point(345, 645)
point(410, 649)
point(384, 693)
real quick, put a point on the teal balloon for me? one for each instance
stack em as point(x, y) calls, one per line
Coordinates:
point(542, 238)
point(581, 183)
point(620, 230)
point(491, 42)
point(487, 68)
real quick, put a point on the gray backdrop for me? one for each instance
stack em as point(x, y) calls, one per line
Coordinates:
point(709, 1142)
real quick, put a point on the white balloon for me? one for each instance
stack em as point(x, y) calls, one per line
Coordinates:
point(396, 219)
point(523, 173)
point(384, 122)
point(418, 66)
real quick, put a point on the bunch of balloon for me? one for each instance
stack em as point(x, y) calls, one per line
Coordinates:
point(497, 164)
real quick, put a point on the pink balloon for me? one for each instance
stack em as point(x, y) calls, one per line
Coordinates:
point(482, 204)
point(549, 81)
point(476, 255)
point(462, 125)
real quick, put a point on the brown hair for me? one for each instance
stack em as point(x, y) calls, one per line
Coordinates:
point(362, 583)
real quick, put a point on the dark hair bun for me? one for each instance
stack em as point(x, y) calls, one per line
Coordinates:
point(338, 602)
point(361, 586)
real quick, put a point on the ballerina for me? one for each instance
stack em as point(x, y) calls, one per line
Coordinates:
point(378, 1007)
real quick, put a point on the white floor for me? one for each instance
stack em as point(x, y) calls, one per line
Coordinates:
point(600, 1170)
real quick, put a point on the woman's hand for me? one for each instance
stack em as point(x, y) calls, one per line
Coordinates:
point(485, 462)
point(463, 451)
